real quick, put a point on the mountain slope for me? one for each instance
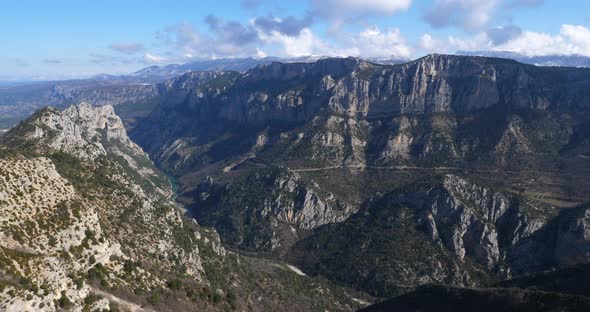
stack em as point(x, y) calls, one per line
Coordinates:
point(88, 215)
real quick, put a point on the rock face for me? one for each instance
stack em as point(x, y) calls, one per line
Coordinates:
point(561, 242)
point(282, 200)
point(356, 88)
point(136, 90)
point(82, 130)
point(474, 221)
point(86, 132)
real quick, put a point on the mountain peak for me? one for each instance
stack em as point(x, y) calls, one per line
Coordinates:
point(287, 71)
point(435, 57)
point(574, 60)
point(83, 130)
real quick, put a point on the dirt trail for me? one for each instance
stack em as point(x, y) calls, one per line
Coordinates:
point(123, 304)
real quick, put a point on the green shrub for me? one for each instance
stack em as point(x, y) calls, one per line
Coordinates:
point(64, 302)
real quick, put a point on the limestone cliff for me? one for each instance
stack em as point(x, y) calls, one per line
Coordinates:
point(269, 200)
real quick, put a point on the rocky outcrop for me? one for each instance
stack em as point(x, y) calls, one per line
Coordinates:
point(300, 205)
point(249, 212)
point(476, 222)
point(473, 221)
point(86, 132)
point(83, 130)
point(43, 216)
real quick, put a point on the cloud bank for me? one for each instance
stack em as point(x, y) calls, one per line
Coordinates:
point(482, 25)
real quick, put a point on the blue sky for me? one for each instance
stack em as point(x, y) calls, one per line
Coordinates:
point(63, 39)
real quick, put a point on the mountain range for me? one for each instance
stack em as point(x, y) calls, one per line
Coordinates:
point(448, 169)
point(19, 100)
point(318, 185)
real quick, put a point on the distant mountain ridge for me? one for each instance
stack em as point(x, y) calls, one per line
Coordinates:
point(233, 64)
point(574, 60)
point(18, 101)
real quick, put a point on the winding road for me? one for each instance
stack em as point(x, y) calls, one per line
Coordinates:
point(401, 168)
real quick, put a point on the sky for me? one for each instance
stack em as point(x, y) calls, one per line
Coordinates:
point(63, 39)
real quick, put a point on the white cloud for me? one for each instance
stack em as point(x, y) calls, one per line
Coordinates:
point(571, 39)
point(579, 36)
point(477, 42)
point(260, 53)
point(451, 44)
point(154, 59)
point(306, 43)
point(535, 44)
point(374, 43)
point(431, 44)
